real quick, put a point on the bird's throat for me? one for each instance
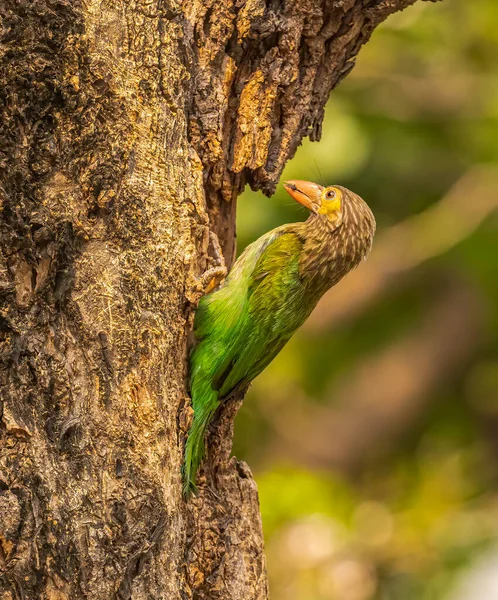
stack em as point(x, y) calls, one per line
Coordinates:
point(327, 255)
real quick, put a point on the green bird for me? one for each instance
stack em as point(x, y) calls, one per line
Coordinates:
point(270, 291)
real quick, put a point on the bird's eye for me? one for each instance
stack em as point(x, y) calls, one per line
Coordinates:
point(330, 194)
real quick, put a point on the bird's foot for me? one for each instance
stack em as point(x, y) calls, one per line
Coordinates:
point(206, 283)
point(212, 278)
point(215, 275)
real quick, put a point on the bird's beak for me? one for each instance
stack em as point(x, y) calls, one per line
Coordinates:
point(307, 193)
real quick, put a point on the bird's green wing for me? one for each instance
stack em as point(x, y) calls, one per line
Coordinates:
point(225, 320)
point(221, 316)
point(237, 336)
point(270, 313)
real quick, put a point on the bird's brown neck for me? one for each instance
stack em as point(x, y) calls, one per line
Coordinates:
point(328, 255)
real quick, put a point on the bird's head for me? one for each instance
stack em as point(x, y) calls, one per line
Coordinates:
point(328, 202)
point(337, 210)
point(334, 204)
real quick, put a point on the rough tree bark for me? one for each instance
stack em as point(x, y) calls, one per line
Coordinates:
point(128, 128)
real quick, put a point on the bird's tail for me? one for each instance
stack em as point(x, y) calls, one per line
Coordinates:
point(205, 402)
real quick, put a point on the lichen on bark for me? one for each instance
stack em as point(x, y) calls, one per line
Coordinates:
point(128, 128)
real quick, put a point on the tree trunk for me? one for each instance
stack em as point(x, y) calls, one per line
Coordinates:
point(128, 129)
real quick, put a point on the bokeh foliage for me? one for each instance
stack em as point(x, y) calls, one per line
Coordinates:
point(374, 435)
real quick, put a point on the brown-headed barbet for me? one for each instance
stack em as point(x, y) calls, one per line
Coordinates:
point(270, 291)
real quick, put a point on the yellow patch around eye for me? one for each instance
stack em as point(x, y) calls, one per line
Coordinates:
point(330, 207)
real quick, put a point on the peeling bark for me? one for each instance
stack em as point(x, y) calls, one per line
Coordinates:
point(128, 128)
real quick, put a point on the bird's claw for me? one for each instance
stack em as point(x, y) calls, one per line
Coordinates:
point(212, 278)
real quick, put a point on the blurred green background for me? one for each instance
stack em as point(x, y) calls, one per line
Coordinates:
point(374, 435)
